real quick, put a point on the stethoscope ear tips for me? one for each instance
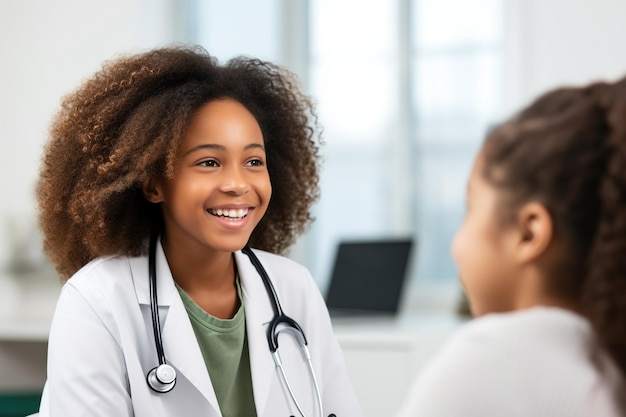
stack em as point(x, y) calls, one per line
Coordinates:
point(162, 378)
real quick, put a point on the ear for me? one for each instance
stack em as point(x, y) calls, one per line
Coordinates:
point(152, 190)
point(535, 231)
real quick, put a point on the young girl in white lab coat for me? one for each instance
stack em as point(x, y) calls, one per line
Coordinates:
point(207, 159)
point(542, 257)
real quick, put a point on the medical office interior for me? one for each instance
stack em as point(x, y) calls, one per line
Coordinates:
point(405, 91)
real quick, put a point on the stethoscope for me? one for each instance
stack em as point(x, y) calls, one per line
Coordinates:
point(162, 378)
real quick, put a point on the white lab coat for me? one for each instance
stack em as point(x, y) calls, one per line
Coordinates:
point(102, 345)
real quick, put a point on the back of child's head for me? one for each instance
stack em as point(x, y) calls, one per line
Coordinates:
point(567, 150)
point(123, 126)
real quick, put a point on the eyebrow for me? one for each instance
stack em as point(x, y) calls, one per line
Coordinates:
point(221, 147)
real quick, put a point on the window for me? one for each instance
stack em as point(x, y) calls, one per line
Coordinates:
point(456, 78)
point(238, 27)
point(354, 75)
point(406, 90)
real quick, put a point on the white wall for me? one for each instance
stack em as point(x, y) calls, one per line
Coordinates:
point(47, 47)
point(555, 42)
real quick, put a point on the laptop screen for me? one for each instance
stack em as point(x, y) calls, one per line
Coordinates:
point(368, 276)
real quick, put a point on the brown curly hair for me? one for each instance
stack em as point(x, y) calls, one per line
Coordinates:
point(568, 151)
point(124, 125)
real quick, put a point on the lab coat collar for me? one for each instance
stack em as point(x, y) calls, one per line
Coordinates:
point(166, 290)
point(176, 327)
point(177, 331)
point(259, 312)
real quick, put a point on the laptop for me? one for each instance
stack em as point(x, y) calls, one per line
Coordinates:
point(368, 277)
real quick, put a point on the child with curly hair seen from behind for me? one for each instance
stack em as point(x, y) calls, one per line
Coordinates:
point(542, 257)
point(160, 169)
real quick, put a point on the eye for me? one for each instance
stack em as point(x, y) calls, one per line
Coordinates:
point(255, 163)
point(209, 163)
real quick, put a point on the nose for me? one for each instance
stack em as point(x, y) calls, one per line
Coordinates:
point(234, 181)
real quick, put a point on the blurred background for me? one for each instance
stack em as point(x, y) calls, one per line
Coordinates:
point(405, 91)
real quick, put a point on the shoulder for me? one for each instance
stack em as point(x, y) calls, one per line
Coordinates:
point(491, 328)
point(281, 268)
point(293, 282)
point(494, 360)
point(100, 280)
point(471, 375)
point(513, 331)
point(277, 260)
point(531, 335)
point(482, 341)
point(106, 265)
point(95, 300)
point(100, 272)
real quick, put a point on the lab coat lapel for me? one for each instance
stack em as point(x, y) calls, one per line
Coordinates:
point(179, 339)
point(259, 312)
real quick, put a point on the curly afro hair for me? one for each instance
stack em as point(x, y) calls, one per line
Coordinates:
point(124, 125)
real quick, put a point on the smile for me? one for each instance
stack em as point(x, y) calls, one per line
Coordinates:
point(231, 214)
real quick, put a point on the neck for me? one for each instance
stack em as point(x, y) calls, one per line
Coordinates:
point(208, 277)
point(533, 293)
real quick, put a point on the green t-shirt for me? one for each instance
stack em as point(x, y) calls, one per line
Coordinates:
point(224, 346)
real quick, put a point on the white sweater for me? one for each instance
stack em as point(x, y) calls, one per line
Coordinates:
point(538, 362)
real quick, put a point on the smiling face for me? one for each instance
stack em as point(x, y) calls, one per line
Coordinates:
point(484, 250)
point(221, 187)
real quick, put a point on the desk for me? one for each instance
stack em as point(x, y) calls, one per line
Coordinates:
point(383, 356)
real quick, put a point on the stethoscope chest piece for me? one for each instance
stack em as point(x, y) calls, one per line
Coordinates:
point(162, 378)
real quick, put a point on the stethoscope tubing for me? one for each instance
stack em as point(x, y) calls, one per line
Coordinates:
point(154, 301)
point(292, 327)
point(272, 332)
point(279, 315)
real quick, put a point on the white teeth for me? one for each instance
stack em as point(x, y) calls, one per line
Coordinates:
point(232, 213)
